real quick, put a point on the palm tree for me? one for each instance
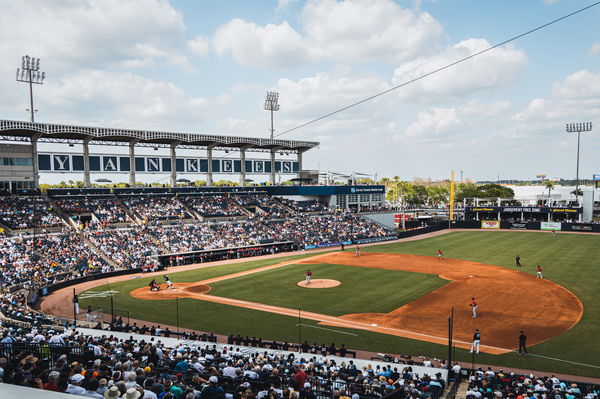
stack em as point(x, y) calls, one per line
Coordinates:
point(550, 186)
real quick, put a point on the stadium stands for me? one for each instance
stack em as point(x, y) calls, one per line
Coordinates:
point(27, 212)
point(106, 210)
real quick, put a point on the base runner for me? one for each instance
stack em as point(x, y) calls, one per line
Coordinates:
point(169, 282)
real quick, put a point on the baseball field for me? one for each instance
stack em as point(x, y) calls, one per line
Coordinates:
point(396, 298)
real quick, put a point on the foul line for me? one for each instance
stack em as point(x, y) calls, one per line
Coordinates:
point(328, 329)
point(561, 360)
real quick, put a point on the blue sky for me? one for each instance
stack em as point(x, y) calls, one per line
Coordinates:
point(205, 66)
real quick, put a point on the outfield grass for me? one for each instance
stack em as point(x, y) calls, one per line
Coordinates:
point(362, 290)
point(568, 259)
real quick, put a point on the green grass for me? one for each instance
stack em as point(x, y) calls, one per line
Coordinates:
point(570, 260)
point(278, 287)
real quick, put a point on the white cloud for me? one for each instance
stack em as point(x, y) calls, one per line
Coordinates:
point(253, 45)
point(91, 34)
point(282, 4)
point(199, 46)
point(344, 31)
point(121, 99)
point(594, 49)
point(435, 122)
point(368, 30)
point(577, 96)
point(325, 92)
point(498, 67)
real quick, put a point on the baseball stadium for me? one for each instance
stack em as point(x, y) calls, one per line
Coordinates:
point(242, 271)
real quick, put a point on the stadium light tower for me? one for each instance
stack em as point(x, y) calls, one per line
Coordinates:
point(271, 104)
point(30, 73)
point(578, 128)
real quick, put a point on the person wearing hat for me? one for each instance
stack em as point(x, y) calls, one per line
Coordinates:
point(74, 387)
point(307, 393)
point(132, 393)
point(112, 392)
point(212, 390)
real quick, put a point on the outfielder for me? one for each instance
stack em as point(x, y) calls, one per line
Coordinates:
point(440, 254)
point(476, 340)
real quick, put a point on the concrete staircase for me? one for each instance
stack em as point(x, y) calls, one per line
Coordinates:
point(461, 393)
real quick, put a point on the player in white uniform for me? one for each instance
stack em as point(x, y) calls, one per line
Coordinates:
point(169, 282)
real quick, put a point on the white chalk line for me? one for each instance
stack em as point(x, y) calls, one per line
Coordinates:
point(328, 329)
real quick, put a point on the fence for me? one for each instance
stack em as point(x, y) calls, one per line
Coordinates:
point(46, 352)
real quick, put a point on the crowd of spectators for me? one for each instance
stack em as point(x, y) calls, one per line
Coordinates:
point(154, 208)
point(129, 248)
point(492, 384)
point(145, 367)
point(43, 260)
point(27, 212)
point(106, 210)
point(304, 206)
point(264, 206)
point(217, 206)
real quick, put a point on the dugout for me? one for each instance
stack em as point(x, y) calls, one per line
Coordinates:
point(212, 255)
point(523, 213)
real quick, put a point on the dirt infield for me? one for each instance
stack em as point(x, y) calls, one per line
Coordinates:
point(319, 283)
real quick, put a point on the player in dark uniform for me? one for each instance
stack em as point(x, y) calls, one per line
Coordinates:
point(476, 341)
point(522, 343)
point(518, 260)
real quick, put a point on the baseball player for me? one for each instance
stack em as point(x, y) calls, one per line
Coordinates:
point(440, 254)
point(308, 274)
point(76, 304)
point(518, 260)
point(357, 251)
point(538, 273)
point(473, 306)
point(553, 233)
point(522, 343)
point(476, 340)
point(169, 282)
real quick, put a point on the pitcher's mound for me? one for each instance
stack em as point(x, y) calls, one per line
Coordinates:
point(319, 283)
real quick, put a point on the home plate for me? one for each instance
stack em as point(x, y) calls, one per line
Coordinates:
point(375, 325)
point(471, 275)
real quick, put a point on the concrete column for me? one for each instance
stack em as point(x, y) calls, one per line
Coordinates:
point(299, 159)
point(86, 162)
point(132, 162)
point(209, 174)
point(272, 178)
point(34, 153)
point(173, 165)
point(243, 167)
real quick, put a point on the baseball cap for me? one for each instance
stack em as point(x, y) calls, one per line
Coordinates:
point(306, 385)
point(77, 378)
point(213, 380)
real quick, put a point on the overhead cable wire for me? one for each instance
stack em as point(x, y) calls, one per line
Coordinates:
point(438, 69)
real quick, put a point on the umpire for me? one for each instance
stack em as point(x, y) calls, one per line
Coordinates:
point(518, 260)
point(522, 343)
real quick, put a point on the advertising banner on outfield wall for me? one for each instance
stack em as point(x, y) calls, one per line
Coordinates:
point(582, 227)
point(550, 226)
point(517, 226)
point(490, 224)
